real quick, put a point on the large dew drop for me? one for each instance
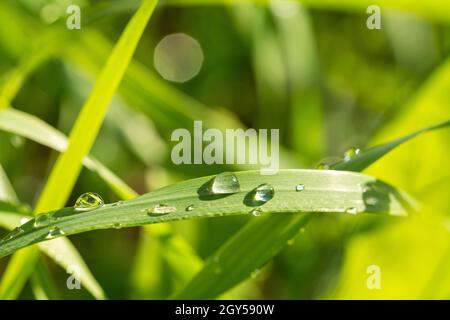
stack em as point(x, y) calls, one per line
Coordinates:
point(225, 183)
point(43, 220)
point(89, 201)
point(160, 209)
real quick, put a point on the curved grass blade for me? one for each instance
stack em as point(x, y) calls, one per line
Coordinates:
point(325, 191)
point(199, 287)
point(366, 157)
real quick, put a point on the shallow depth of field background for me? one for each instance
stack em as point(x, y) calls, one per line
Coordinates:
point(316, 73)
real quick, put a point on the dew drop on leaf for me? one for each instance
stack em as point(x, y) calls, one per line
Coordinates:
point(190, 207)
point(43, 220)
point(89, 201)
point(256, 212)
point(350, 153)
point(225, 183)
point(351, 210)
point(300, 187)
point(14, 233)
point(160, 209)
point(264, 193)
point(54, 232)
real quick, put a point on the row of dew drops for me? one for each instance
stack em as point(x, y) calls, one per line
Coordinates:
point(222, 184)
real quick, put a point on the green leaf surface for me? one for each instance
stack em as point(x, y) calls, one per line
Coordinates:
point(325, 191)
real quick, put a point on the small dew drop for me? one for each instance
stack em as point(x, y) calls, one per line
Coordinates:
point(118, 203)
point(160, 209)
point(256, 212)
point(54, 232)
point(351, 210)
point(43, 220)
point(300, 187)
point(89, 201)
point(14, 233)
point(225, 183)
point(290, 242)
point(117, 226)
point(350, 153)
point(263, 193)
point(190, 207)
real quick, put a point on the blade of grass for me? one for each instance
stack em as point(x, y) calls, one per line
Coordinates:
point(43, 286)
point(366, 157)
point(87, 125)
point(325, 191)
point(262, 244)
point(7, 192)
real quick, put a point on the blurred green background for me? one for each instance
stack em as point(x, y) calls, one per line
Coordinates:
point(314, 70)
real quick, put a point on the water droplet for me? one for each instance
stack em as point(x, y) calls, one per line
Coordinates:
point(350, 153)
point(160, 209)
point(190, 207)
point(300, 187)
point(256, 212)
point(54, 232)
point(290, 242)
point(255, 274)
point(118, 203)
point(225, 183)
point(43, 220)
point(14, 233)
point(117, 225)
point(351, 210)
point(89, 201)
point(263, 193)
point(322, 166)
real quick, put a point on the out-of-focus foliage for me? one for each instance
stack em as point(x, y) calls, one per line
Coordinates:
point(314, 71)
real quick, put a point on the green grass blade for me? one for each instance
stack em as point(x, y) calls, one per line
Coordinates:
point(7, 192)
point(12, 280)
point(366, 157)
point(43, 286)
point(325, 191)
point(230, 251)
point(88, 123)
